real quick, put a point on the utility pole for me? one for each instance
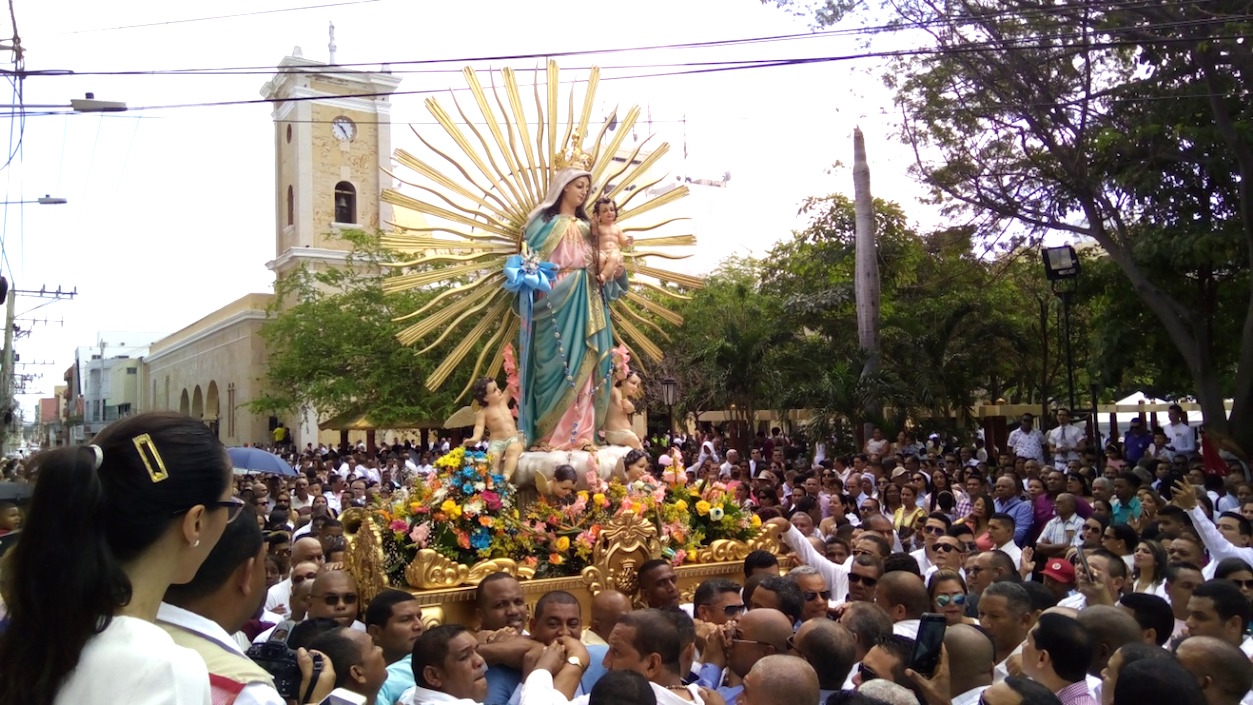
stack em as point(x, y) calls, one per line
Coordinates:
point(866, 274)
point(8, 406)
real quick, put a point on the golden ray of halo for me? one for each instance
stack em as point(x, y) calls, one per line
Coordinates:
point(450, 363)
point(501, 177)
point(484, 281)
point(623, 308)
point(654, 308)
point(521, 173)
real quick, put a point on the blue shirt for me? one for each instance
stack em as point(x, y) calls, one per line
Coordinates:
point(501, 682)
point(1022, 514)
point(1124, 513)
point(399, 679)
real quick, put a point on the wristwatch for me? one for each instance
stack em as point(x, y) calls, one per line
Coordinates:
point(574, 661)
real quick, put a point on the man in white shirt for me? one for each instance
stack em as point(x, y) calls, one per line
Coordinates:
point(227, 591)
point(447, 668)
point(301, 497)
point(1026, 441)
point(733, 459)
point(1064, 440)
point(1181, 436)
point(1001, 531)
point(936, 526)
point(306, 560)
point(1005, 613)
point(424, 466)
point(835, 575)
point(970, 673)
point(1062, 531)
point(903, 596)
point(645, 641)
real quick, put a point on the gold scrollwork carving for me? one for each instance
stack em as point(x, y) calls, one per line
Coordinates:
point(482, 569)
point(364, 558)
point(626, 543)
point(723, 550)
point(431, 570)
point(768, 540)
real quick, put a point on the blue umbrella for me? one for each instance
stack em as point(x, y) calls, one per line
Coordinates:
point(257, 460)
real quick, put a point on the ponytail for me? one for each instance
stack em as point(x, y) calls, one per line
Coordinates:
point(94, 509)
point(61, 581)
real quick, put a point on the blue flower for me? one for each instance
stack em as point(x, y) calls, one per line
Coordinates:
point(480, 539)
point(467, 488)
point(498, 480)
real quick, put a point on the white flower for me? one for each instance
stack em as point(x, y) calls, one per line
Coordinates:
point(480, 486)
point(715, 514)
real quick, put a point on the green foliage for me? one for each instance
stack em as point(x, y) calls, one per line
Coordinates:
point(332, 347)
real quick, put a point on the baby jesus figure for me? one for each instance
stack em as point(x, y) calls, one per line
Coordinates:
point(609, 239)
point(494, 416)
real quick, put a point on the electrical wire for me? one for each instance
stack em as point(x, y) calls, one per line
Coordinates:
point(216, 17)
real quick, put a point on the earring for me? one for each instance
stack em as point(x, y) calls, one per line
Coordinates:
point(196, 544)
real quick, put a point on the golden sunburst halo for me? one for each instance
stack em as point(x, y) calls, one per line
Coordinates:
point(474, 195)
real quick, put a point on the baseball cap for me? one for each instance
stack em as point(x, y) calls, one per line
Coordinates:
point(898, 472)
point(1061, 571)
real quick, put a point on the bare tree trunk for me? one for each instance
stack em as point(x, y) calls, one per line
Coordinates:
point(867, 268)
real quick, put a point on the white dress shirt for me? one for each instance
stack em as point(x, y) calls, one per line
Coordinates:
point(970, 697)
point(253, 693)
point(417, 695)
point(279, 596)
point(538, 690)
point(835, 575)
point(134, 661)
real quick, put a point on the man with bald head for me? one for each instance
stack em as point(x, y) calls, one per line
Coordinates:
point(608, 606)
point(760, 632)
point(334, 595)
point(972, 659)
point(830, 649)
point(306, 549)
point(1222, 670)
point(904, 597)
point(780, 680)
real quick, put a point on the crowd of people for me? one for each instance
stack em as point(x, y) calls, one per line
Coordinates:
point(146, 572)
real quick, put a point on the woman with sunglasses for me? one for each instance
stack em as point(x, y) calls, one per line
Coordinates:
point(125, 517)
point(947, 590)
point(1148, 569)
point(1238, 572)
point(1079, 485)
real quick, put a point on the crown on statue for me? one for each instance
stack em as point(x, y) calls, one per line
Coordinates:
point(573, 156)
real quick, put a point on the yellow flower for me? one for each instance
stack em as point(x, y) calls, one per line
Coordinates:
point(755, 522)
point(582, 494)
point(702, 507)
point(450, 508)
point(563, 543)
point(599, 499)
point(694, 492)
point(680, 506)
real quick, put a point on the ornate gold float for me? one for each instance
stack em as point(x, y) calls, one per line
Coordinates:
point(446, 589)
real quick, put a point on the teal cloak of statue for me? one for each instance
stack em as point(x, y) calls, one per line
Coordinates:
point(569, 366)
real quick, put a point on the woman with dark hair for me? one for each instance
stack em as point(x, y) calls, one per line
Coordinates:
point(1079, 485)
point(981, 510)
point(1148, 569)
point(111, 526)
point(1238, 572)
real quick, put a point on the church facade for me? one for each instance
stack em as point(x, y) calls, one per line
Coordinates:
point(332, 139)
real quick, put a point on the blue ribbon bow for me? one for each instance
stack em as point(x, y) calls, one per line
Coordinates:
point(525, 275)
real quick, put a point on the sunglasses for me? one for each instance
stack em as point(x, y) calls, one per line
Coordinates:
point(862, 552)
point(854, 579)
point(1243, 584)
point(332, 599)
point(732, 611)
point(933, 530)
point(944, 600)
point(811, 595)
point(945, 547)
point(1092, 529)
point(867, 673)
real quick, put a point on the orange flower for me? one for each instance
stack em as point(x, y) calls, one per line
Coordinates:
point(463, 539)
point(678, 537)
point(556, 559)
point(485, 521)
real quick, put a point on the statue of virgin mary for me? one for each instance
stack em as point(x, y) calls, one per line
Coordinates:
point(569, 368)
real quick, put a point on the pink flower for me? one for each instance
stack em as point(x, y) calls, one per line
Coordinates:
point(679, 555)
point(668, 477)
point(398, 525)
point(492, 500)
point(659, 494)
point(420, 534)
point(594, 483)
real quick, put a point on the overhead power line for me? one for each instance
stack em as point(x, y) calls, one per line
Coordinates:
point(236, 15)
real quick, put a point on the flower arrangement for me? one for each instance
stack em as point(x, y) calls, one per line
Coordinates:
point(463, 510)
point(468, 514)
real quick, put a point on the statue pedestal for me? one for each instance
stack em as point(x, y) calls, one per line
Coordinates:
point(607, 463)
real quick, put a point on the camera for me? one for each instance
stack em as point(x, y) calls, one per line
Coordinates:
point(279, 661)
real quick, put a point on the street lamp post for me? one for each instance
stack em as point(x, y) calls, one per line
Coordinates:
point(1061, 267)
point(669, 394)
point(44, 200)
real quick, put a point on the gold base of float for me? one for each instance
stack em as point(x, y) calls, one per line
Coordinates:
point(446, 589)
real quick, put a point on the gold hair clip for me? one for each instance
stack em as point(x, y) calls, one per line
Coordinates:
point(144, 442)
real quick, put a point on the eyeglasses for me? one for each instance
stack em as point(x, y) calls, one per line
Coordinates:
point(738, 636)
point(1092, 529)
point(944, 600)
point(732, 611)
point(946, 547)
point(1243, 584)
point(233, 506)
point(811, 595)
point(854, 579)
point(933, 530)
point(867, 673)
point(332, 599)
point(862, 552)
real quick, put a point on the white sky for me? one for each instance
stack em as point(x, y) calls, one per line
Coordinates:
point(171, 212)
